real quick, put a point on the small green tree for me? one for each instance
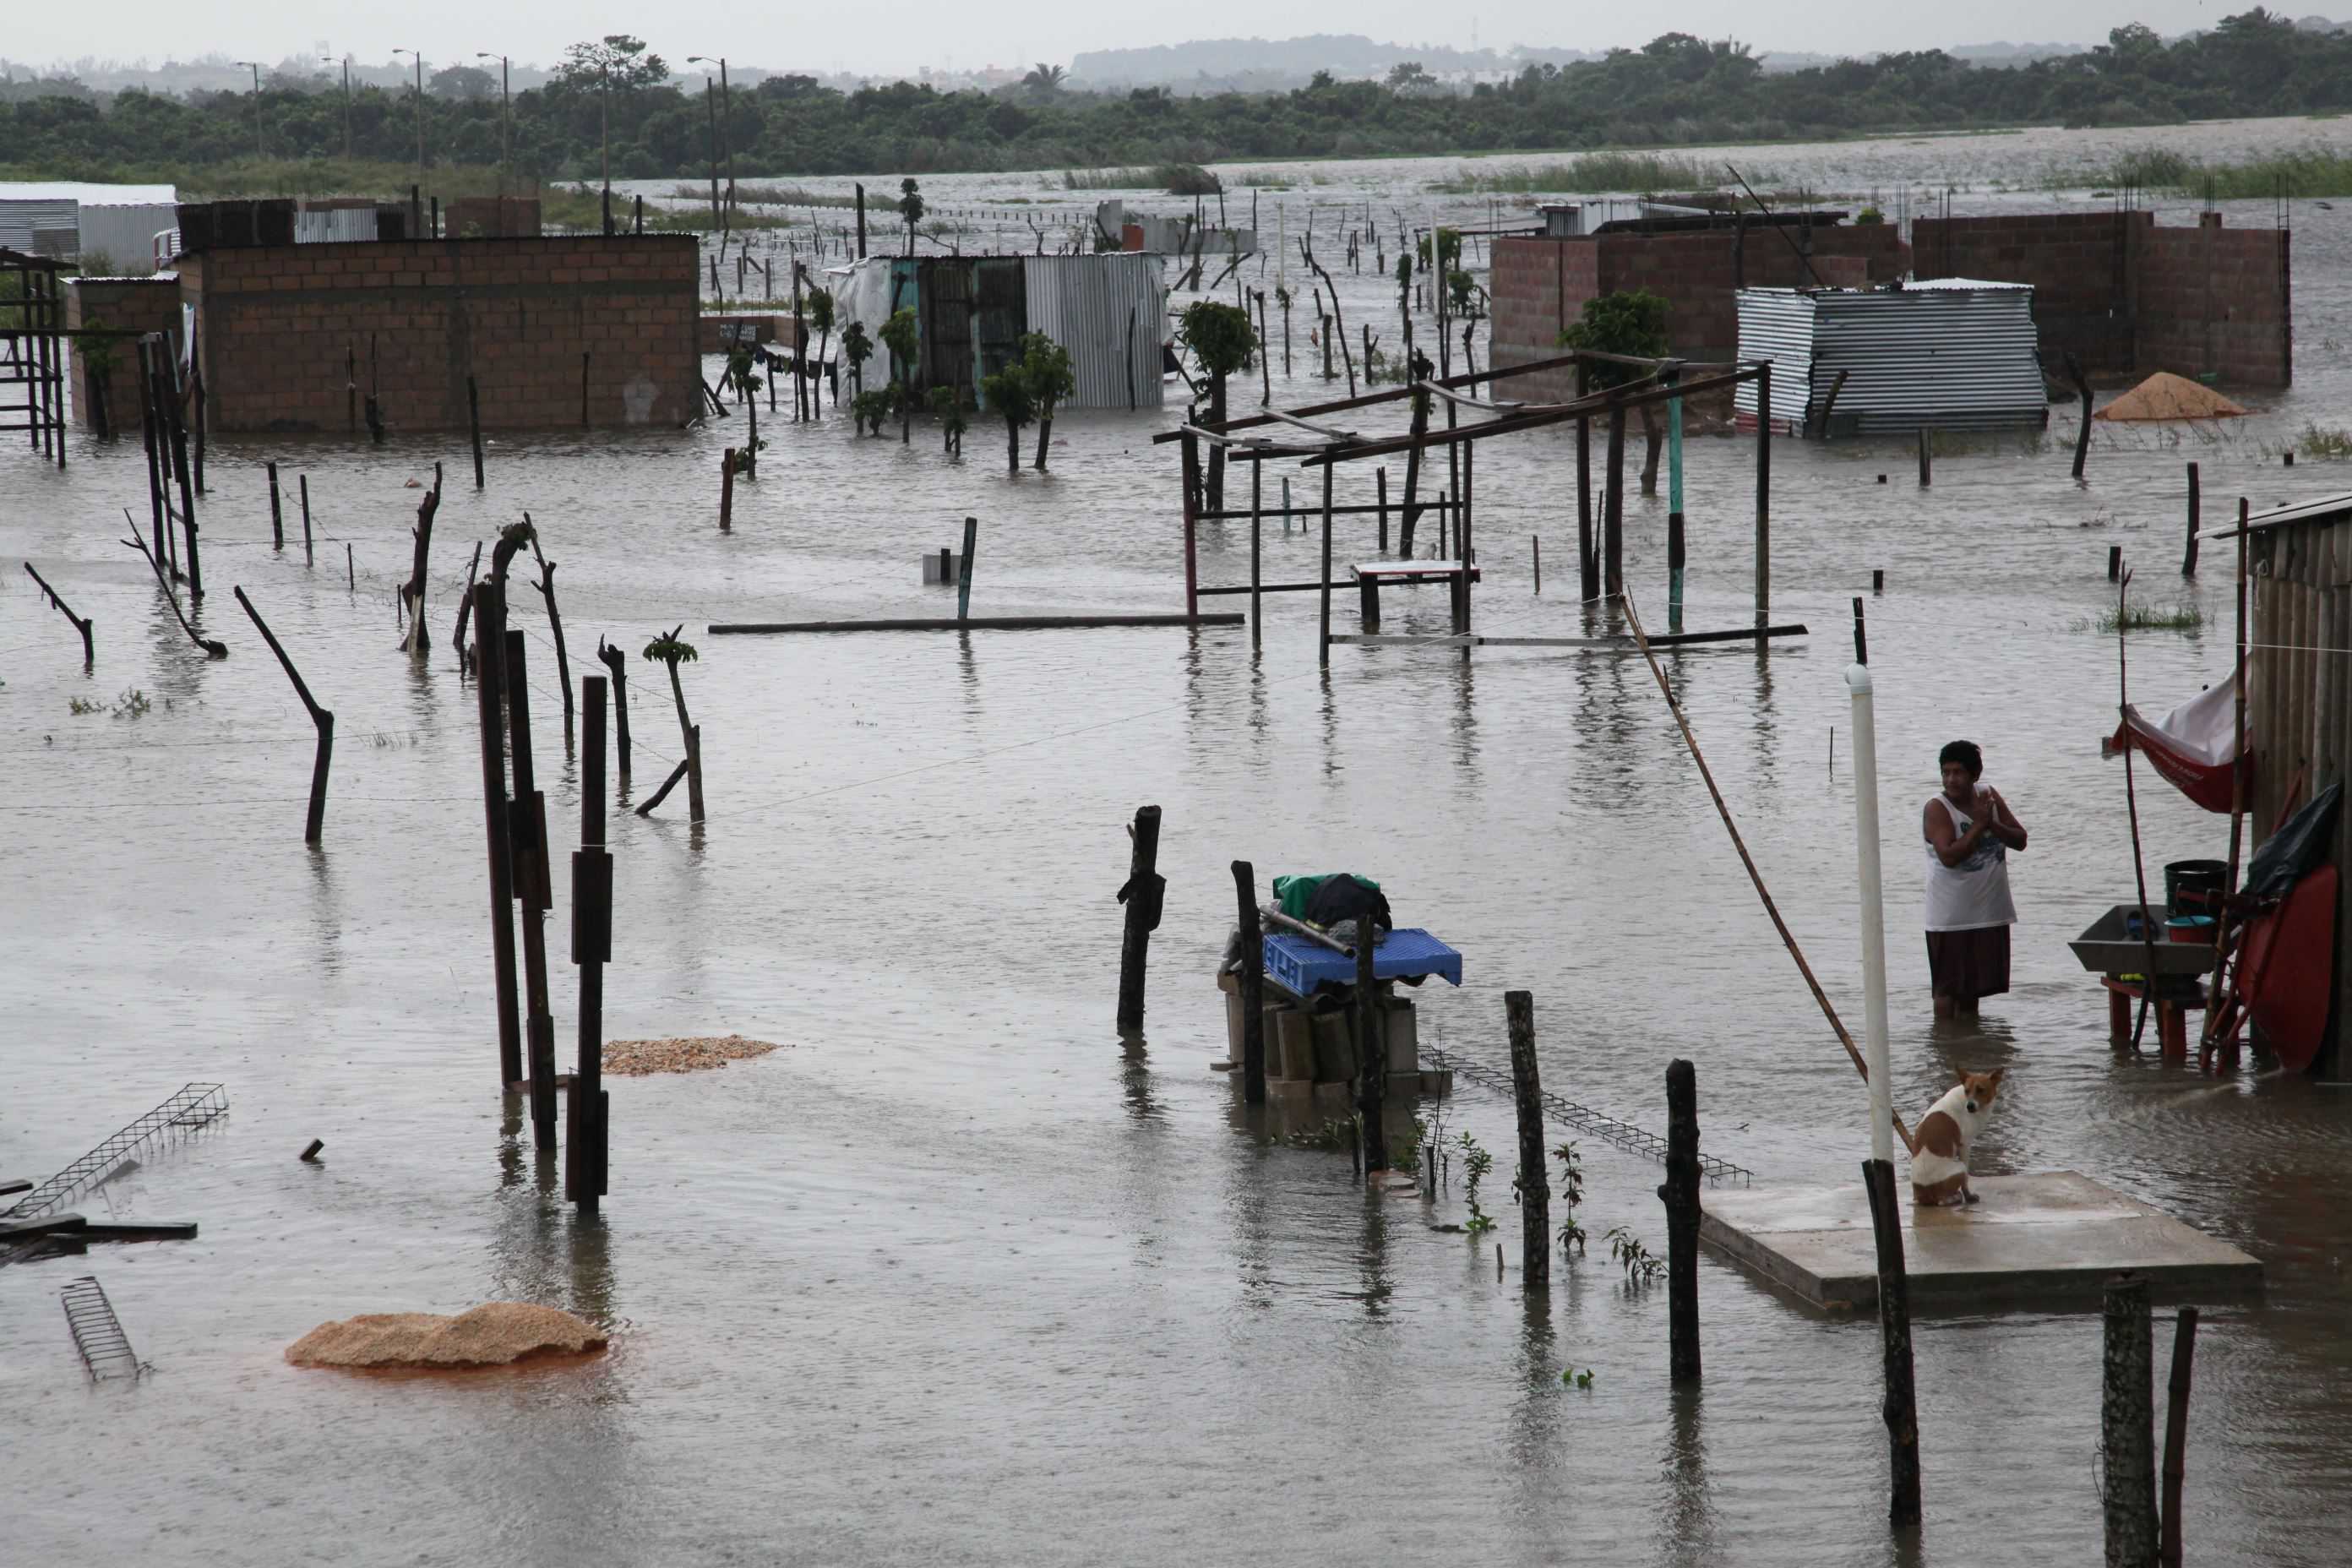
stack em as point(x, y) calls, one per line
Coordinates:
point(668, 650)
point(1011, 399)
point(949, 403)
point(911, 209)
point(857, 347)
point(1630, 322)
point(903, 336)
point(1050, 378)
point(1219, 339)
point(820, 316)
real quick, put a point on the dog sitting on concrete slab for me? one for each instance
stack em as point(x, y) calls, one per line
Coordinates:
point(1939, 1165)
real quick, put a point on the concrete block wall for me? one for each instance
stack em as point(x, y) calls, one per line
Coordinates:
point(2220, 300)
point(550, 329)
point(2081, 266)
point(124, 304)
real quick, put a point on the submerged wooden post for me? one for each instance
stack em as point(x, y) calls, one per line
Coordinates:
point(1323, 656)
point(727, 491)
point(1380, 479)
point(1252, 987)
point(2082, 433)
point(1257, 525)
point(963, 568)
point(1764, 494)
point(474, 424)
point(613, 660)
point(304, 481)
point(2115, 562)
point(2176, 1434)
point(1673, 503)
point(585, 1145)
point(530, 847)
point(278, 513)
point(1191, 454)
point(314, 825)
point(2188, 552)
point(2128, 1425)
point(1612, 521)
point(1142, 893)
point(88, 653)
point(1371, 1053)
point(1900, 1407)
point(1534, 1182)
point(489, 687)
point(1680, 1192)
point(1927, 461)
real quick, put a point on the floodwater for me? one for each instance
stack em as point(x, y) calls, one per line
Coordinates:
point(958, 1275)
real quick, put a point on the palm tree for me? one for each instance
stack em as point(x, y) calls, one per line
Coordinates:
point(1046, 80)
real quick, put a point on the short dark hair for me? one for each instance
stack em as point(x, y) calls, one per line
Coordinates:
point(1964, 752)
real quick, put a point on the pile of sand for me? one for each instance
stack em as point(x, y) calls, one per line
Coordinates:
point(636, 1058)
point(2165, 396)
point(490, 1335)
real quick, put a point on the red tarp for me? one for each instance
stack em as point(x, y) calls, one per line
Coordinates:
point(2193, 745)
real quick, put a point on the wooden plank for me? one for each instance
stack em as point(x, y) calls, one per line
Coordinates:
point(139, 1230)
point(1329, 432)
point(1620, 645)
point(1387, 570)
point(16, 1184)
point(979, 622)
point(1463, 400)
point(40, 1225)
point(1366, 400)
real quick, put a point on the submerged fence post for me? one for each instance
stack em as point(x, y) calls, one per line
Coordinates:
point(2176, 1434)
point(963, 568)
point(2082, 433)
point(489, 686)
point(1371, 1053)
point(1252, 985)
point(474, 424)
point(278, 513)
point(314, 825)
point(1901, 1405)
point(1534, 1183)
point(1764, 495)
point(1142, 893)
point(2128, 1425)
point(1680, 1192)
point(584, 1144)
point(529, 842)
point(2188, 552)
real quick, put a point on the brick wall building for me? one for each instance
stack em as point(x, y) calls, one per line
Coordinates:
point(123, 305)
point(577, 331)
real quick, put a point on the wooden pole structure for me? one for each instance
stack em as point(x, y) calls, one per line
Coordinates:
point(1380, 479)
point(861, 223)
point(1142, 893)
point(1901, 1406)
point(1191, 454)
point(585, 1145)
point(1411, 514)
point(474, 425)
point(489, 684)
point(304, 481)
point(1588, 561)
point(1257, 519)
point(1534, 1183)
point(2175, 1434)
point(150, 433)
point(2128, 1425)
point(1612, 521)
point(1465, 540)
point(1323, 654)
point(727, 491)
point(546, 587)
point(613, 660)
point(2131, 810)
point(314, 825)
point(2237, 781)
point(531, 887)
point(1680, 1192)
point(1674, 375)
point(1927, 461)
point(1252, 985)
point(1371, 1053)
point(2082, 433)
point(88, 654)
point(963, 568)
point(412, 592)
point(2189, 552)
point(276, 512)
point(1764, 493)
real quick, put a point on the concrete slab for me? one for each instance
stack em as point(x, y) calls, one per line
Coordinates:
point(2049, 1235)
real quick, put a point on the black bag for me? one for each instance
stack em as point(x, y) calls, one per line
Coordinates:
point(1347, 898)
point(2298, 846)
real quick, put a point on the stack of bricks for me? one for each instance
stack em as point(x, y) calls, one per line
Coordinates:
point(121, 304)
point(275, 326)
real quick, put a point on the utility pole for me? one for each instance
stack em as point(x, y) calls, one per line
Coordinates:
point(330, 60)
point(506, 118)
point(605, 129)
point(258, 153)
point(420, 107)
point(726, 149)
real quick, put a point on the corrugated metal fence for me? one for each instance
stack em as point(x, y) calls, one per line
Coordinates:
point(1109, 311)
point(1950, 355)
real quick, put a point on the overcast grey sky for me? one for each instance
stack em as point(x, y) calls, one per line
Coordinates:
point(903, 36)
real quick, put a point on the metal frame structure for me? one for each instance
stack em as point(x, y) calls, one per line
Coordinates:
point(32, 350)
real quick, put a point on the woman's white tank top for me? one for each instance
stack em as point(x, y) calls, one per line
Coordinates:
point(1973, 894)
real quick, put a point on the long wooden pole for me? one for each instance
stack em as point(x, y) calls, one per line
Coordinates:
point(2237, 788)
point(2131, 809)
point(591, 948)
point(1251, 986)
point(1143, 894)
point(531, 888)
point(489, 686)
point(1534, 1183)
point(314, 825)
point(1788, 938)
point(1900, 1407)
point(2176, 1435)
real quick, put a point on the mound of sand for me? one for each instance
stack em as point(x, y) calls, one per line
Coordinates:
point(490, 1335)
point(2165, 396)
point(636, 1058)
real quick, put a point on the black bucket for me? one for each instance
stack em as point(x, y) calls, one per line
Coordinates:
point(2195, 887)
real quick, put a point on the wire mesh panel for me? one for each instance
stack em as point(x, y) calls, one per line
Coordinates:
point(195, 1106)
point(97, 1331)
point(1601, 1124)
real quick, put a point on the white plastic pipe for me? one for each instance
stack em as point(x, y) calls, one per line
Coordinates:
point(1874, 911)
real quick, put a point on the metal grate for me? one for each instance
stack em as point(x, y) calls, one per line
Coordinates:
point(1602, 1125)
point(195, 1106)
point(98, 1333)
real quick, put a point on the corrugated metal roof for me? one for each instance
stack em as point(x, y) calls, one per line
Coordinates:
point(1951, 357)
point(334, 225)
point(1962, 283)
point(2333, 509)
point(1107, 310)
point(1777, 324)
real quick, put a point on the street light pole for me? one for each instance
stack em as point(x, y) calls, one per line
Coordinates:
point(604, 133)
point(258, 153)
point(330, 60)
point(420, 107)
point(506, 118)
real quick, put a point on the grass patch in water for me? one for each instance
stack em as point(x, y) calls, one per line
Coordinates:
point(2183, 616)
point(1592, 172)
point(2313, 172)
point(2319, 441)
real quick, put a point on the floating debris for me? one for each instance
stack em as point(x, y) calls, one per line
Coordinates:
point(493, 1334)
point(636, 1058)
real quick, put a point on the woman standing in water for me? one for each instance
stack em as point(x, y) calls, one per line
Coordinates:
point(1970, 831)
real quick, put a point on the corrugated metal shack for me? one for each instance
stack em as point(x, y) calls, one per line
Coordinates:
point(1952, 354)
point(1110, 311)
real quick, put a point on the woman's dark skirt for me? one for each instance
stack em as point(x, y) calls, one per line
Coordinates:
point(1969, 964)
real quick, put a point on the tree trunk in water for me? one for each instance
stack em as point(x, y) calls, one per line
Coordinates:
point(1045, 437)
point(1011, 447)
point(678, 694)
point(1650, 434)
point(1214, 490)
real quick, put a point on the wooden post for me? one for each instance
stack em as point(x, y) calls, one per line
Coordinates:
point(1680, 1192)
point(411, 594)
point(1926, 462)
point(1380, 478)
point(727, 491)
point(304, 481)
point(1257, 521)
point(1612, 521)
point(1764, 494)
point(963, 568)
point(1253, 985)
point(350, 569)
point(2176, 1434)
point(89, 655)
point(585, 1145)
point(613, 660)
point(1466, 538)
point(179, 430)
point(197, 401)
point(1674, 557)
point(1411, 514)
point(1191, 454)
point(1534, 1183)
point(2083, 435)
point(474, 424)
point(546, 586)
point(278, 513)
point(490, 683)
point(1143, 894)
point(2188, 552)
point(2128, 1425)
point(2115, 562)
point(1372, 1051)
point(861, 223)
point(149, 432)
point(1534, 550)
point(1323, 656)
point(530, 847)
point(314, 825)
point(1901, 1406)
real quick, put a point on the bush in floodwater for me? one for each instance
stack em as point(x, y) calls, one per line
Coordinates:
point(1475, 1164)
point(132, 704)
point(1626, 1248)
point(83, 707)
point(1571, 1193)
point(2319, 441)
point(2183, 616)
point(1572, 1378)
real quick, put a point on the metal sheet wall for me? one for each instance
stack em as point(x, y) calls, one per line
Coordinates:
point(1777, 324)
point(1945, 358)
point(124, 236)
point(334, 225)
point(20, 219)
point(1110, 311)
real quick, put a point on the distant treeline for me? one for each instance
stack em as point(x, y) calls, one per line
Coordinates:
point(1674, 90)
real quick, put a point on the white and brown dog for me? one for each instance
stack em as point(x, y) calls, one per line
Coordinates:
point(1939, 1165)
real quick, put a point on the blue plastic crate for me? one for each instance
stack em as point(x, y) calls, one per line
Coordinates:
point(1299, 965)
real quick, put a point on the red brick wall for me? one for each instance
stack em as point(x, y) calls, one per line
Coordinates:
point(124, 304)
point(2217, 300)
point(275, 324)
point(2080, 264)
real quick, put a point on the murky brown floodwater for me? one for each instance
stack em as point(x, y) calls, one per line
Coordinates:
point(959, 1277)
